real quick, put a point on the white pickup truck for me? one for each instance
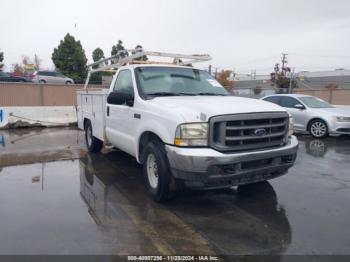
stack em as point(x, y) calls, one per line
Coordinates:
point(185, 128)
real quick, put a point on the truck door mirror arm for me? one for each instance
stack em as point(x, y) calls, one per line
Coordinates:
point(120, 98)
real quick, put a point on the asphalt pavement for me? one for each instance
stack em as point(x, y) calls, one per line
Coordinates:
point(55, 198)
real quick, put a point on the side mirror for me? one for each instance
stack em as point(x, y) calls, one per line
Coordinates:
point(299, 106)
point(120, 98)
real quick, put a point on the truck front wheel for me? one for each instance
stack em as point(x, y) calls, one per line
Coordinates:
point(93, 144)
point(156, 171)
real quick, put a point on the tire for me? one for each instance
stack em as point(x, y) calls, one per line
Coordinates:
point(42, 82)
point(69, 83)
point(318, 128)
point(156, 171)
point(93, 144)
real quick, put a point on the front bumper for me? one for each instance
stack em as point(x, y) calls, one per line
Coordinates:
point(340, 128)
point(208, 168)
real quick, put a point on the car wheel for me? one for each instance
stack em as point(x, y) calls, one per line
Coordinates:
point(93, 144)
point(69, 83)
point(318, 128)
point(156, 171)
point(42, 82)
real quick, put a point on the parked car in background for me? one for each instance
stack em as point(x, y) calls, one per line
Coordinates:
point(51, 77)
point(313, 115)
point(6, 77)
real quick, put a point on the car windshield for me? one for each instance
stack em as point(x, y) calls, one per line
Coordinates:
point(3, 74)
point(176, 81)
point(314, 102)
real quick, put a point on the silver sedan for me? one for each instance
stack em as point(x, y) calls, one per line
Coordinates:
point(313, 115)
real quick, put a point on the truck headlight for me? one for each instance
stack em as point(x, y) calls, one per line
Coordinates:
point(342, 119)
point(290, 126)
point(194, 134)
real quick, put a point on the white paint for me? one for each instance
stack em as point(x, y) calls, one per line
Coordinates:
point(45, 115)
point(92, 106)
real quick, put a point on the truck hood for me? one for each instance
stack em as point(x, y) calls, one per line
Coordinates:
point(201, 108)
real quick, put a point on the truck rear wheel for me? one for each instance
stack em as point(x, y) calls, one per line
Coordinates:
point(156, 171)
point(93, 144)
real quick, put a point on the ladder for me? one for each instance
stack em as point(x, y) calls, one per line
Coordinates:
point(113, 63)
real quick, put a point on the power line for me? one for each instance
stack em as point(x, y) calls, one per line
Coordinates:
point(269, 58)
point(320, 55)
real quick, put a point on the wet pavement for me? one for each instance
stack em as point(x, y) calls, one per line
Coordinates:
point(57, 199)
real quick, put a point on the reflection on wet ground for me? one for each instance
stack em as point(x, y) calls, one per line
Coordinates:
point(33, 145)
point(96, 204)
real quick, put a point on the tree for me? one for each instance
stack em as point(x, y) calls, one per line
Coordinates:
point(223, 78)
point(25, 60)
point(119, 47)
point(18, 70)
point(280, 78)
point(1, 59)
point(138, 49)
point(37, 62)
point(69, 58)
point(97, 55)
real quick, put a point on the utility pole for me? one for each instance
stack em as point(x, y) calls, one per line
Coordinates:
point(284, 61)
point(291, 81)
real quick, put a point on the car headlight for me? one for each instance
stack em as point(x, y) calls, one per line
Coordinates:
point(342, 118)
point(194, 134)
point(290, 126)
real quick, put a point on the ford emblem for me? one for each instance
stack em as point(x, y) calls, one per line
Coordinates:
point(260, 132)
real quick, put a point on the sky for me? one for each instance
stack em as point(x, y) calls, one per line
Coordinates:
point(239, 35)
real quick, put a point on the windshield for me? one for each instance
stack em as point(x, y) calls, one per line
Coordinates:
point(3, 74)
point(170, 81)
point(314, 102)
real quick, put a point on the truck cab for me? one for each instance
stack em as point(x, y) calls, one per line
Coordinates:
point(186, 129)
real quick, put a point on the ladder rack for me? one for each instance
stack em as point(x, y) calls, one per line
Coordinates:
point(113, 63)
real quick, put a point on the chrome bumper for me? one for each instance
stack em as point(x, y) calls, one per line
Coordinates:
point(208, 168)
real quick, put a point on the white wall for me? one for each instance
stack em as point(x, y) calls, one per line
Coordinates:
point(44, 115)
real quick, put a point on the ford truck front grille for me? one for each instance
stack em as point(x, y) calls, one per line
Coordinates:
point(244, 132)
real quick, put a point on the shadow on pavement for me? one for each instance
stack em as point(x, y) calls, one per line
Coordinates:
point(247, 220)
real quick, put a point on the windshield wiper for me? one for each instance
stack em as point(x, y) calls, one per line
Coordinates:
point(162, 94)
point(209, 94)
point(170, 94)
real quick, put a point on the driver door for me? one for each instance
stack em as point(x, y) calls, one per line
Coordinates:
point(120, 121)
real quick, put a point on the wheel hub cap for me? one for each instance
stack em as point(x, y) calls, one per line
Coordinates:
point(89, 136)
point(318, 129)
point(152, 171)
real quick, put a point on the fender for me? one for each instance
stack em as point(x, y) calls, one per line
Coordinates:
point(165, 134)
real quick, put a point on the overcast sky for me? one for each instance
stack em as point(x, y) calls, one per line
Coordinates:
point(240, 35)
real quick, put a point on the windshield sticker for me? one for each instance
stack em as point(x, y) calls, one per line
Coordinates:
point(213, 82)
